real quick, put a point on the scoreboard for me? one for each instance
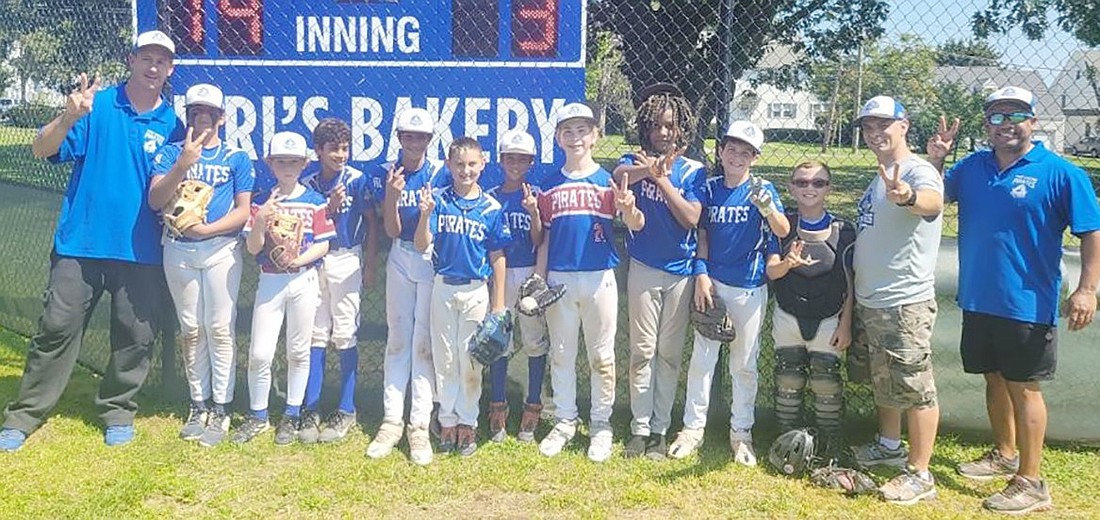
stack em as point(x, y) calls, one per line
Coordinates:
point(481, 67)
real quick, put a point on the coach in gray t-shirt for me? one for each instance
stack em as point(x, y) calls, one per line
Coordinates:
point(899, 236)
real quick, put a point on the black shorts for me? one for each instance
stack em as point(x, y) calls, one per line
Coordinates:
point(1020, 351)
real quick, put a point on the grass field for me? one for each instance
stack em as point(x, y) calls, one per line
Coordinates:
point(65, 471)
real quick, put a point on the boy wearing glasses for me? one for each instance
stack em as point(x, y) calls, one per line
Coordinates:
point(1015, 202)
point(812, 323)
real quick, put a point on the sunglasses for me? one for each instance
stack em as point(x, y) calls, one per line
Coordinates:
point(804, 183)
point(998, 118)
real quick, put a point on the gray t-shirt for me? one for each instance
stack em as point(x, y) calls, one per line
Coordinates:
point(895, 255)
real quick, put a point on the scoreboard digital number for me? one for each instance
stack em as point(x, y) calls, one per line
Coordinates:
point(477, 29)
point(481, 67)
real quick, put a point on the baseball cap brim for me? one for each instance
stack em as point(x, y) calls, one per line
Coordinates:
point(657, 89)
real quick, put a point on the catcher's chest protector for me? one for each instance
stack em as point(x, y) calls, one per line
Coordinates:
point(814, 292)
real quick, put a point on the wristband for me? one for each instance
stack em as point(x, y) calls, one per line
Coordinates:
point(912, 200)
point(699, 266)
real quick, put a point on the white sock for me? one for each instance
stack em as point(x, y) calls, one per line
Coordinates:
point(890, 444)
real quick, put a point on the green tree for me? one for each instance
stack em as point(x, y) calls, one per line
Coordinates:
point(1080, 18)
point(962, 53)
point(606, 86)
point(37, 58)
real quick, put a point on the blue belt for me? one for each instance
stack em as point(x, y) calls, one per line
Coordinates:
point(454, 280)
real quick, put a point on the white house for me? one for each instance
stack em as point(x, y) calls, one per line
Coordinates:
point(1076, 97)
point(772, 108)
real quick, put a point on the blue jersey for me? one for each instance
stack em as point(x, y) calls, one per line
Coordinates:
point(309, 207)
point(351, 228)
point(739, 238)
point(464, 231)
point(577, 210)
point(521, 251)
point(227, 169)
point(105, 212)
point(408, 207)
point(1010, 230)
point(663, 243)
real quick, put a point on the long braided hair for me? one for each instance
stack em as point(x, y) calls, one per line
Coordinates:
point(654, 106)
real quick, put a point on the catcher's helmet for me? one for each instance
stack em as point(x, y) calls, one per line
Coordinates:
point(792, 452)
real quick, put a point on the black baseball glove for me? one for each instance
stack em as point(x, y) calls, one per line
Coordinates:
point(850, 481)
point(535, 295)
point(491, 340)
point(713, 323)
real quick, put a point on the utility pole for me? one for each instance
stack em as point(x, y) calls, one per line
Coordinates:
point(859, 92)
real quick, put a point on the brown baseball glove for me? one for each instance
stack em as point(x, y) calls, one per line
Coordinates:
point(188, 207)
point(284, 235)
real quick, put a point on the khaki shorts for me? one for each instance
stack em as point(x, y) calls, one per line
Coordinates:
point(898, 341)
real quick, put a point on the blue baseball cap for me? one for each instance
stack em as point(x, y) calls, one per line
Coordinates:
point(885, 107)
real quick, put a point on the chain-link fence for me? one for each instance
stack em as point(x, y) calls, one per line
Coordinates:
point(799, 70)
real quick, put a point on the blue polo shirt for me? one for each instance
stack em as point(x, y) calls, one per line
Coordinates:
point(1010, 230)
point(105, 213)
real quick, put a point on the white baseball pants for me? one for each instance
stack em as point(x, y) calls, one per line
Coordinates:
point(408, 360)
point(457, 310)
point(660, 310)
point(294, 296)
point(746, 308)
point(203, 278)
point(337, 320)
point(590, 304)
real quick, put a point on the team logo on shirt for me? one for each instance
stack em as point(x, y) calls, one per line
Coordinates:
point(460, 225)
point(153, 141)
point(1021, 184)
point(598, 235)
point(866, 211)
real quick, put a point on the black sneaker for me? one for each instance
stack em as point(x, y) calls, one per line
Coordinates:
point(287, 430)
point(309, 427)
point(336, 426)
point(195, 424)
point(655, 447)
point(217, 426)
point(635, 447)
point(249, 429)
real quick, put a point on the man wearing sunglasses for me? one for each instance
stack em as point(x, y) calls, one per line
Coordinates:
point(895, 260)
point(1015, 202)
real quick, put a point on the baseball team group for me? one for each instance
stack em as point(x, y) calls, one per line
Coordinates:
point(151, 199)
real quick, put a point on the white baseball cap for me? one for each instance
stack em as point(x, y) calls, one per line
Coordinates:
point(155, 38)
point(205, 94)
point(517, 141)
point(885, 107)
point(287, 144)
point(1017, 94)
point(574, 111)
point(415, 120)
point(747, 132)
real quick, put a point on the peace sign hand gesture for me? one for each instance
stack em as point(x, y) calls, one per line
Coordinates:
point(530, 202)
point(624, 198)
point(192, 147)
point(79, 102)
point(897, 191)
point(941, 142)
point(794, 258)
point(663, 166)
point(336, 199)
point(427, 201)
point(395, 181)
point(760, 197)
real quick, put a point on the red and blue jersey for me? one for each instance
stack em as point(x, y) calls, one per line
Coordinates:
point(663, 243)
point(578, 210)
point(226, 168)
point(739, 238)
point(464, 231)
point(309, 207)
point(522, 251)
point(351, 227)
point(105, 212)
point(408, 206)
point(1010, 230)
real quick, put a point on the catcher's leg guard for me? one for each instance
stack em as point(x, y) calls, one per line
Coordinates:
point(790, 380)
point(828, 391)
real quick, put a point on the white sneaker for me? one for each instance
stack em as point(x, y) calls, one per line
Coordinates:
point(420, 447)
point(554, 441)
point(599, 447)
point(687, 441)
point(741, 447)
point(389, 434)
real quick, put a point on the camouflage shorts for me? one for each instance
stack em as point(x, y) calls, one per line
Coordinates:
point(896, 345)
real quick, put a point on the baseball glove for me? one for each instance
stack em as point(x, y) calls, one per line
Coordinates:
point(535, 295)
point(188, 207)
point(850, 481)
point(713, 323)
point(491, 340)
point(284, 234)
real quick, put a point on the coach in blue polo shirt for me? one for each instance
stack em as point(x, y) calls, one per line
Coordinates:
point(1015, 202)
point(107, 240)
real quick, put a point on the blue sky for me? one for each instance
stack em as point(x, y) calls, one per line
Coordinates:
point(940, 20)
